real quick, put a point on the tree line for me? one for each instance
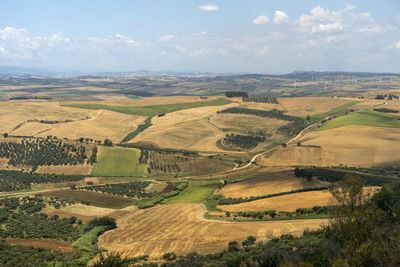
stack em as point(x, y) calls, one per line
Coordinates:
point(131, 189)
point(18, 180)
point(236, 94)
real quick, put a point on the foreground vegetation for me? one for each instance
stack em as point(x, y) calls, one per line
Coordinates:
point(364, 232)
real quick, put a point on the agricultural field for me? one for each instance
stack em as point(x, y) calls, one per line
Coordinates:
point(265, 184)
point(348, 146)
point(289, 202)
point(364, 118)
point(196, 192)
point(93, 199)
point(180, 228)
point(152, 110)
point(114, 161)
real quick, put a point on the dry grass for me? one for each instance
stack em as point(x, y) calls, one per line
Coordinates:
point(349, 145)
point(40, 243)
point(266, 184)
point(181, 228)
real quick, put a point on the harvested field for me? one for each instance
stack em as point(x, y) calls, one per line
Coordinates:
point(185, 129)
point(181, 228)
point(66, 169)
point(289, 202)
point(102, 124)
point(303, 106)
point(266, 184)
point(364, 146)
point(41, 243)
point(115, 161)
point(242, 122)
point(95, 199)
point(80, 211)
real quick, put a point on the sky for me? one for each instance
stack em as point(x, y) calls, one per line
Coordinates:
point(222, 36)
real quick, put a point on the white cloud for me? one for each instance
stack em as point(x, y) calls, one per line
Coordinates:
point(281, 17)
point(261, 20)
point(208, 7)
point(2, 50)
point(327, 28)
point(180, 48)
point(263, 50)
point(166, 37)
point(397, 45)
point(373, 29)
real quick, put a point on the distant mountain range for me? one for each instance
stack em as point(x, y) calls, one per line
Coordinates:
point(26, 71)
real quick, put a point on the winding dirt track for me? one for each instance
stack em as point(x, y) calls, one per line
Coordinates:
point(181, 228)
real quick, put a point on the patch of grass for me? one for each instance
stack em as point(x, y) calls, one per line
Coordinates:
point(95, 199)
point(196, 192)
point(364, 118)
point(139, 129)
point(116, 161)
point(320, 116)
point(85, 242)
point(153, 109)
point(211, 205)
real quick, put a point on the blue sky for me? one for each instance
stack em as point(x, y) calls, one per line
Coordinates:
point(215, 36)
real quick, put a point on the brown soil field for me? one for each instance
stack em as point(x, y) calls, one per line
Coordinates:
point(289, 202)
point(80, 211)
point(102, 124)
point(66, 169)
point(181, 228)
point(41, 243)
point(267, 184)
point(95, 199)
point(185, 129)
point(349, 145)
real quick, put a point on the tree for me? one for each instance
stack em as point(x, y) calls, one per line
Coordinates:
point(108, 142)
point(228, 214)
point(5, 135)
point(112, 259)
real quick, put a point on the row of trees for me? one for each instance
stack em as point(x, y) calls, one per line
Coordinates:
point(131, 189)
point(261, 99)
point(236, 94)
point(18, 180)
point(388, 97)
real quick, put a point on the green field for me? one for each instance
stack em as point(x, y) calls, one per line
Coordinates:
point(116, 161)
point(342, 108)
point(196, 192)
point(364, 118)
point(154, 109)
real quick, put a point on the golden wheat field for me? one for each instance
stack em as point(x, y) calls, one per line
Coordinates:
point(185, 129)
point(289, 202)
point(265, 184)
point(96, 124)
point(181, 228)
point(349, 145)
